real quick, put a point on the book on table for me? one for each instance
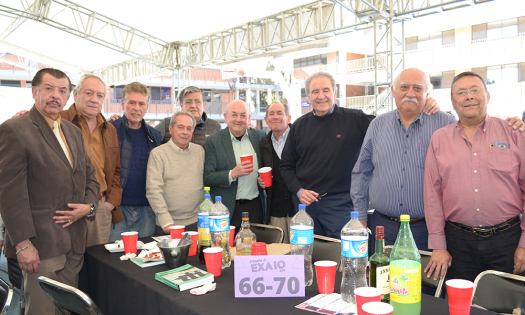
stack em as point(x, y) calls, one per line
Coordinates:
point(184, 278)
point(144, 264)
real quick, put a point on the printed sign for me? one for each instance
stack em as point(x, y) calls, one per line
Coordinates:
point(305, 104)
point(269, 276)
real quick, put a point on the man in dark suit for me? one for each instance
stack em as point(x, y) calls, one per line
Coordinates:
point(226, 175)
point(47, 189)
point(279, 202)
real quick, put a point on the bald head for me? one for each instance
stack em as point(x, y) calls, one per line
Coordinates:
point(413, 72)
point(237, 117)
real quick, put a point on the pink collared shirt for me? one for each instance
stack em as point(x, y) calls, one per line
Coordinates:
point(475, 184)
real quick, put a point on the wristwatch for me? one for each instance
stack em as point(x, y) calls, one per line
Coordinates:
point(91, 214)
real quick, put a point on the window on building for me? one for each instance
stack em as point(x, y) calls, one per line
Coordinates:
point(429, 41)
point(522, 72)
point(154, 93)
point(10, 83)
point(411, 43)
point(504, 74)
point(303, 93)
point(446, 79)
point(479, 31)
point(521, 24)
point(482, 72)
point(310, 61)
point(435, 79)
point(207, 95)
point(116, 92)
point(165, 93)
point(502, 28)
point(28, 84)
point(448, 37)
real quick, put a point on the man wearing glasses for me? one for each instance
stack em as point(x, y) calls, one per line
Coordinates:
point(191, 100)
point(475, 189)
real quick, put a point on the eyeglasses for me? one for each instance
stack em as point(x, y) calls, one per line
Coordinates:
point(190, 102)
point(463, 93)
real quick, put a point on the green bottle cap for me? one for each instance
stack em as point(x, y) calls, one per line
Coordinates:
point(405, 218)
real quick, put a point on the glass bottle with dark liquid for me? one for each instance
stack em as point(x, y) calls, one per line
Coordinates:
point(380, 267)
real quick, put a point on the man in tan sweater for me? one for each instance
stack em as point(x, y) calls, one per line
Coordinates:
point(174, 182)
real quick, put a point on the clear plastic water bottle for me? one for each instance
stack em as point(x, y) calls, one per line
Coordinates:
point(204, 226)
point(354, 257)
point(220, 230)
point(302, 241)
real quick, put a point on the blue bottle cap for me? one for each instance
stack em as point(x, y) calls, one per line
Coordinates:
point(218, 198)
point(302, 207)
point(354, 214)
point(206, 196)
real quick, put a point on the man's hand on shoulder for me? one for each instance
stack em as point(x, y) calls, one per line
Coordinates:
point(519, 260)
point(68, 217)
point(431, 107)
point(28, 258)
point(21, 113)
point(516, 123)
point(308, 196)
point(242, 169)
point(114, 117)
point(439, 261)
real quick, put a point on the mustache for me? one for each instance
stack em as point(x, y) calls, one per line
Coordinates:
point(54, 100)
point(409, 99)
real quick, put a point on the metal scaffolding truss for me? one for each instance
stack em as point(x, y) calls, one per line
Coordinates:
point(153, 56)
point(90, 25)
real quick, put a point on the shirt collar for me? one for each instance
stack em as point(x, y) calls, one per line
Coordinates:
point(233, 137)
point(331, 111)
point(176, 147)
point(419, 119)
point(283, 136)
point(484, 124)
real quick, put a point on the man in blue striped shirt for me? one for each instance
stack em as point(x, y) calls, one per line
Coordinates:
point(389, 172)
point(390, 169)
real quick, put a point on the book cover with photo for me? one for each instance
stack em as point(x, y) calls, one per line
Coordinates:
point(184, 278)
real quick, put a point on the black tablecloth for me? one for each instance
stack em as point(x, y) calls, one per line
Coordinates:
point(121, 287)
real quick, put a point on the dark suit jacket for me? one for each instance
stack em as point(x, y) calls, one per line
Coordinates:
point(220, 159)
point(36, 179)
point(111, 161)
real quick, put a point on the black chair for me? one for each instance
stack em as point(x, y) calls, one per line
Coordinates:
point(494, 292)
point(6, 295)
point(268, 234)
point(327, 248)
point(425, 281)
point(66, 297)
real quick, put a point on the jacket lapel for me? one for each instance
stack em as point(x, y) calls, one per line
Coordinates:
point(48, 134)
point(68, 134)
point(228, 147)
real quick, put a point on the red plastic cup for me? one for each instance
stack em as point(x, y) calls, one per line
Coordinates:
point(194, 239)
point(364, 295)
point(325, 272)
point(376, 308)
point(247, 157)
point(259, 249)
point(232, 235)
point(213, 259)
point(176, 231)
point(130, 242)
point(266, 175)
point(459, 294)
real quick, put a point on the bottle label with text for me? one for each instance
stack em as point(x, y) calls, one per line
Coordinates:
point(220, 223)
point(383, 279)
point(405, 284)
point(204, 220)
point(301, 235)
point(354, 246)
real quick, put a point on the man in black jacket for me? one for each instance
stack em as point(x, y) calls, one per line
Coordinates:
point(280, 207)
point(191, 99)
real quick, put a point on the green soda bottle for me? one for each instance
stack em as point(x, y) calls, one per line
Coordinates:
point(206, 192)
point(405, 272)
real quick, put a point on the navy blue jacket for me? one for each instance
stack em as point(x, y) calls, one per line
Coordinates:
point(124, 142)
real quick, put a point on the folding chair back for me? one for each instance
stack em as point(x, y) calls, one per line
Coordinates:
point(268, 234)
point(499, 291)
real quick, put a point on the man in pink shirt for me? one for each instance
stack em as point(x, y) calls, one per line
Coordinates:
point(475, 189)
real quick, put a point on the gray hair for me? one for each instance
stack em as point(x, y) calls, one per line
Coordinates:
point(229, 106)
point(174, 117)
point(286, 109)
point(78, 87)
point(189, 90)
point(426, 80)
point(316, 75)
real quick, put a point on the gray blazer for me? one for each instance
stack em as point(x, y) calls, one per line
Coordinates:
point(36, 179)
